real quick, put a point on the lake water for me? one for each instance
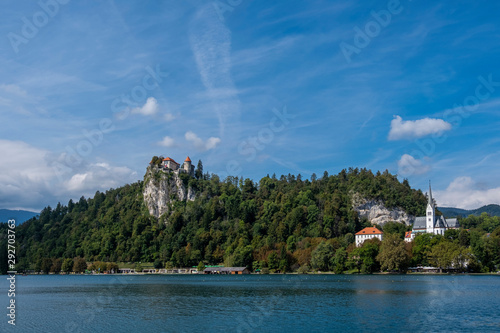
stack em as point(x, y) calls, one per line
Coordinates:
point(253, 303)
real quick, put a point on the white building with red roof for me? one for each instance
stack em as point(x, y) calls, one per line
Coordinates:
point(368, 233)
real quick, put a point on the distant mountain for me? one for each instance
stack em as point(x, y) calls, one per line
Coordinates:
point(19, 215)
point(492, 210)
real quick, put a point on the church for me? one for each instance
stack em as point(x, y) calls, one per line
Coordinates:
point(431, 223)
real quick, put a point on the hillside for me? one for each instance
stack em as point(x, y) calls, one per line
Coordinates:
point(19, 215)
point(235, 221)
point(492, 210)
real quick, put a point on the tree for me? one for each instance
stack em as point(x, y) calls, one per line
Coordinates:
point(112, 267)
point(80, 265)
point(272, 261)
point(394, 228)
point(67, 265)
point(393, 255)
point(320, 257)
point(138, 267)
point(284, 263)
point(56, 266)
point(354, 259)
point(368, 254)
point(158, 264)
point(46, 264)
point(464, 238)
point(201, 267)
point(199, 170)
point(339, 261)
point(442, 255)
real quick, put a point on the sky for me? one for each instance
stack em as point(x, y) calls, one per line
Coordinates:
point(90, 91)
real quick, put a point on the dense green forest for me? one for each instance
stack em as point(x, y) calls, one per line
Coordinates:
point(285, 224)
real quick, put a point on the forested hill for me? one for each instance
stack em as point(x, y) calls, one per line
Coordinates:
point(492, 210)
point(235, 221)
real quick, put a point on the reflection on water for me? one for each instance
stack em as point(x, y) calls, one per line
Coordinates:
point(267, 303)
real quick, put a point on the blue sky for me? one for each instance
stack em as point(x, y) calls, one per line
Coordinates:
point(90, 91)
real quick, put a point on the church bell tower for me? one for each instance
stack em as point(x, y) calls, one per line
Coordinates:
point(430, 214)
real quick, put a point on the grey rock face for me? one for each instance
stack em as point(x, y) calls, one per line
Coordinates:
point(161, 188)
point(377, 213)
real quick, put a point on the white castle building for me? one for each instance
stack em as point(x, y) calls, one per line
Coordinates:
point(431, 223)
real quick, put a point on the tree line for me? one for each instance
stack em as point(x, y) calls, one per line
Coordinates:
point(275, 224)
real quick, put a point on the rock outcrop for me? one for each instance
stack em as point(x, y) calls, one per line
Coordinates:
point(377, 213)
point(163, 187)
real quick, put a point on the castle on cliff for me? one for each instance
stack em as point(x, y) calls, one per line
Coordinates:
point(168, 164)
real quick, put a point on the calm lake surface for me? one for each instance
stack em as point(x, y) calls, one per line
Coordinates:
point(253, 303)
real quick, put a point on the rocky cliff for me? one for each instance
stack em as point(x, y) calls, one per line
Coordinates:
point(377, 213)
point(161, 188)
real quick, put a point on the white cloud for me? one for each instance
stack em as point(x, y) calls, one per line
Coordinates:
point(167, 142)
point(411, 129)
point(464, 193)
point(211, 143)
point(28, 179)
point(409, 165)
point(150, 108)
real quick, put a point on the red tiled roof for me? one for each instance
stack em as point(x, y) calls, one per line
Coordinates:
point(187, 159)
point(369, 231)
point(169, 159)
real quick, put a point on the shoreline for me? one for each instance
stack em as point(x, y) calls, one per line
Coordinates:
point(292, 273)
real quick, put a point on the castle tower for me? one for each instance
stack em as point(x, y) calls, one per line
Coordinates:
point(187, 165)
point(430, 214)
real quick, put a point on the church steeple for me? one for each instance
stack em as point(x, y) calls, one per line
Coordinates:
point(430, 213)
point(430, 202)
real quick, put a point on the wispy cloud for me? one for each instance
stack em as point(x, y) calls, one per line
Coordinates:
point(13, 89)
point(412, 129)
point(210, 42)
point(169, 116)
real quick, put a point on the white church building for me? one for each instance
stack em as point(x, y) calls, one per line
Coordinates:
point(431, 223)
